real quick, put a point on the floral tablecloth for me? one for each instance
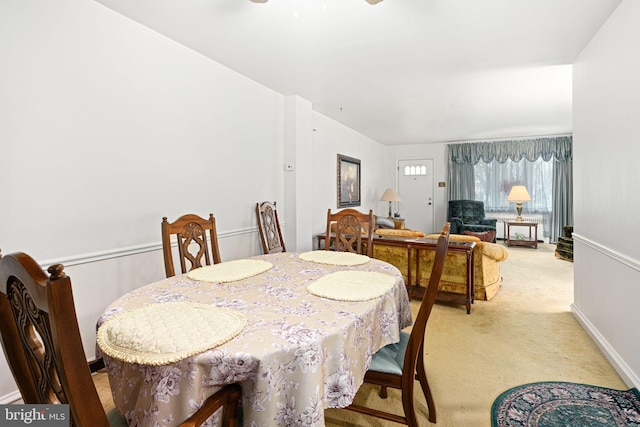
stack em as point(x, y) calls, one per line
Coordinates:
point(297, 355)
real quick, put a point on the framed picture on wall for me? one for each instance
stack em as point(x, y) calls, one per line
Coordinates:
point(348, 181)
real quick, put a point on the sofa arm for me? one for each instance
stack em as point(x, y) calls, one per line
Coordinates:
point(456, 225)
point(396, 232)
point(496, 252)
point(489, 221)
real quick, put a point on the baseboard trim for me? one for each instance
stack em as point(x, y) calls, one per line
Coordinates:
point(618, 363)
point(624, 259)
point(131, 250)
point(10, 398)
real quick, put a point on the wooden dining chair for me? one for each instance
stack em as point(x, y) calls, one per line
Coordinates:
point(191, 233)
point(350, 230)
point(42, 344)
point(398, 365)
point(269, 226)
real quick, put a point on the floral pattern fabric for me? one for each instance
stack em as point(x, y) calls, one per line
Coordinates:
point(297, 355)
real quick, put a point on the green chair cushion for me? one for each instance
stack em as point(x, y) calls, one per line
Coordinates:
point(390, 359)
point(116, 419)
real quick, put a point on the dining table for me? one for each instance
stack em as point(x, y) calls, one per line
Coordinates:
point(297, 331)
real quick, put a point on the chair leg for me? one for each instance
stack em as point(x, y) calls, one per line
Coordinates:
point(383, 392)
point(422, 377)
point(409, 410)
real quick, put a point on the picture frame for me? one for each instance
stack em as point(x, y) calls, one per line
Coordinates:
point(348, 181)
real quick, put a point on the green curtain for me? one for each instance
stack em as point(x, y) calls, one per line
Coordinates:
point(562, 198)
point(463, 156)
point(461, 181)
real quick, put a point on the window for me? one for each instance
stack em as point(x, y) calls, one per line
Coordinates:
point(470, 177)
point(415, 170)
point(494, 180)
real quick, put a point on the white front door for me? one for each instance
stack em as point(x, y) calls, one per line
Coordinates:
point(415, 188)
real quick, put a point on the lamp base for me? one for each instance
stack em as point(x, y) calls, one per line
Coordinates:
point(519, 209)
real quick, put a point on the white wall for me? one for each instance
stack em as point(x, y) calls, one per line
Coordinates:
point(606, 185)
point(127, 126)
point(298, 149)
point(107, 126)
point(330, 138)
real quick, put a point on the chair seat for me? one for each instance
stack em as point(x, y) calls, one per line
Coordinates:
point(390, 358)
point(116, 419)
point(479, 227)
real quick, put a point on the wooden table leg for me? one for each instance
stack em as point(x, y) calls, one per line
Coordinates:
point(409, 284)
point(471, 292)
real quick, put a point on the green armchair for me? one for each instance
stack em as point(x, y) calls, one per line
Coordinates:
point(468, 215)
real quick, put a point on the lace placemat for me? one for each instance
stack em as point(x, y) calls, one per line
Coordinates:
point(159, 334)
point(334, 258)
point(229, 271)
point(352, 285)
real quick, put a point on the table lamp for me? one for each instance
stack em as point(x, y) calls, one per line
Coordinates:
point(519, 194)
point(390, 195)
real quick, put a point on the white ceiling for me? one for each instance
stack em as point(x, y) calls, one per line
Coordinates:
point(401, 71)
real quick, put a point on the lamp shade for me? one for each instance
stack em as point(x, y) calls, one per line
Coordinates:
point(518, 193)
point(390, 195)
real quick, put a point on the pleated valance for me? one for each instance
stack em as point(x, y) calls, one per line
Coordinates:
point(558, 148)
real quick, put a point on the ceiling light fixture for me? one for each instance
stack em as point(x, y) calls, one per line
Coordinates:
point(368, 1)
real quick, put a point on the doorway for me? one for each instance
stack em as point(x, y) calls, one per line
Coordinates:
point(415, 188)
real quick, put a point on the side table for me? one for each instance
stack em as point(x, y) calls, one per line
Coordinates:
point(532, 240)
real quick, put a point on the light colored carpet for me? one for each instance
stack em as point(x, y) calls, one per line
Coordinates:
point(101, 380)
point(525, 334)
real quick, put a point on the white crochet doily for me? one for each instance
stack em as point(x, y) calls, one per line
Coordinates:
point(352, 285)
point(229, 271)
point(159, 334)
point(334, 258)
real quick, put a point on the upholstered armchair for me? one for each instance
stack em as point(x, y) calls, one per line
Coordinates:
point(468, 215)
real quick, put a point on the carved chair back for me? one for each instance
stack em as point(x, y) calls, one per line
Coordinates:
point(190, 232)
point(350, 231)
point(41, 339)
point(269, 226)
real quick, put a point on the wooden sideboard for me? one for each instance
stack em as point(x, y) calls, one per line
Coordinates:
point(408, 255)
